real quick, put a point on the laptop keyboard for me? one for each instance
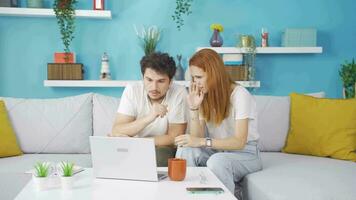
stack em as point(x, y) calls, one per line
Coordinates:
point(162, 175)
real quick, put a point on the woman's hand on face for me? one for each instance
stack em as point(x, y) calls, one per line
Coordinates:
point(195, 97)
point(188, 141)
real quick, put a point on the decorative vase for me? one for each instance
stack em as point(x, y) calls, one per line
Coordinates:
point(216, 39)
point(179, 75)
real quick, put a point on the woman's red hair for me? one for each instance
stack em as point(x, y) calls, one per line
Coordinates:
point(216, 104)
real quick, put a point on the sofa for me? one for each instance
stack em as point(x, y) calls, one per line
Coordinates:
point(58, 130)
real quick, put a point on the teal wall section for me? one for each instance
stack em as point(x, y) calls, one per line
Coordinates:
point(27, 44)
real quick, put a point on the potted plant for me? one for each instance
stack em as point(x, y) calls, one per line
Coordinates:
point(65, 14)
point(348, 77)
point(183, 7)
point(149, 38)
point(40, 177)
point(67, 175)
point(248, 46)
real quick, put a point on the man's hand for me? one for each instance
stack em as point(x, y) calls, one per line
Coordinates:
point(159, 110)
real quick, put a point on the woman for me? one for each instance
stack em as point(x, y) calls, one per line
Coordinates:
point(223, 127)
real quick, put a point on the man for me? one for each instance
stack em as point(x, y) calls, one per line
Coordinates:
point(155, 107)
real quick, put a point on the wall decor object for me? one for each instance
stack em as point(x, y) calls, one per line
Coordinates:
point(299, 37)
point(9, 3)
point(248, 44)
point(264, 37)
point(105, 70)
point(35, 3)
point(216, 40)
point(65, 71)
point(179, 75)
point(99, 4)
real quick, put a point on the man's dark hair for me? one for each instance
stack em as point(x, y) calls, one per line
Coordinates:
point(161, 63)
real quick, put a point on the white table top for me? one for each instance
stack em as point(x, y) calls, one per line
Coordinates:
point(88, 187)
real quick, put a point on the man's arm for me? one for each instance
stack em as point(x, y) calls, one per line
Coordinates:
point(173, 131)
point(130, 126)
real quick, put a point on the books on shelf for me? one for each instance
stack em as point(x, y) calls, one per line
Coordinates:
point(237, 72)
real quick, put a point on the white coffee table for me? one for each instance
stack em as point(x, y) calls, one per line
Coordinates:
point(88, 187)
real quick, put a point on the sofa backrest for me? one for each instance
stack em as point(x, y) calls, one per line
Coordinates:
point(61, 125)
point(104, 113)
point(273, 120)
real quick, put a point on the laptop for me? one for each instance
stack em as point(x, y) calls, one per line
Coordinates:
point(125, 158)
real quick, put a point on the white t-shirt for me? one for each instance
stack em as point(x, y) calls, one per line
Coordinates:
point(243, 107)
point(135, 102)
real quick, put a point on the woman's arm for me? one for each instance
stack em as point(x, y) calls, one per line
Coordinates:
point(235, 142)
point(196, 125)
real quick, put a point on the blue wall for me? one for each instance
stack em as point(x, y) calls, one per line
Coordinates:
point(27, 44)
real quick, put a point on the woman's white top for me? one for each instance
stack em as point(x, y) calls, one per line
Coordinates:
point(243, 106)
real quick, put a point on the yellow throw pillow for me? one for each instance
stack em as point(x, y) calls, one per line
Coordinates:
point(8, 142)
point(322, 127)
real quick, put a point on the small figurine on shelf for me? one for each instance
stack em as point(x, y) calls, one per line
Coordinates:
point(99, 4)
point(179, 75)
point(105, 70)
point(264, 36)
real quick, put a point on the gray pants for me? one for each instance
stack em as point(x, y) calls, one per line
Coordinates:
point(228, 166)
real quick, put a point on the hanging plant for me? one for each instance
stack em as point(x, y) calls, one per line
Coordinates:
point(65, 14)
point(183, 7)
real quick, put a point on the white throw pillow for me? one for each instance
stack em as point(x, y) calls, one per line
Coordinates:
point(59, 125)
point(104, 113)
point(273, 120)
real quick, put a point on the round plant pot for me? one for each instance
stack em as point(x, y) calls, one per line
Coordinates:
point(67, 182)
point(41, 183)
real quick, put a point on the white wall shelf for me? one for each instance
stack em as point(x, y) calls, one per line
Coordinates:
point(98, 83)
point(267, 50)
point(47, 12)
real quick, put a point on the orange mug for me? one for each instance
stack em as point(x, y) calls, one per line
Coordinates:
point(177, 169)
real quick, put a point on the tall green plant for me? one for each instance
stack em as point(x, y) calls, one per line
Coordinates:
point(149, 38)
point(183, 7)
point(65, 14)
point(348, 77)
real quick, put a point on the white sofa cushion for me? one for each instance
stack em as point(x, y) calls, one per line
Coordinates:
point(295, 177)
point(104, 113)
point(61, 125)
point(273, 120)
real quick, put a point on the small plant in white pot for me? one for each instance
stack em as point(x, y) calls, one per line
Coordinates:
point(40, 177)
point(67, 175)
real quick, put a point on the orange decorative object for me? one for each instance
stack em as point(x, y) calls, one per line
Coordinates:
point(177, 169)
point(64, 58)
